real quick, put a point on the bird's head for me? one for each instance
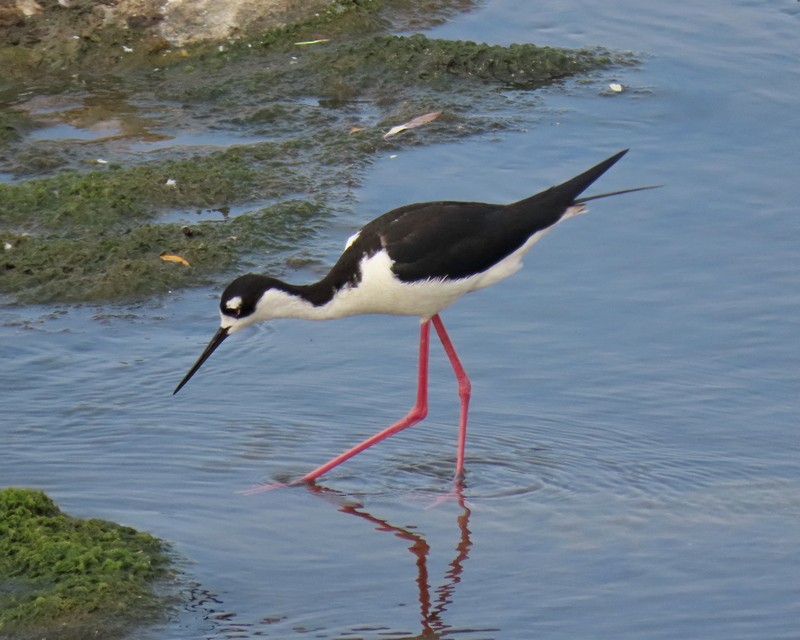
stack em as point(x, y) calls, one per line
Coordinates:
point(242, 303)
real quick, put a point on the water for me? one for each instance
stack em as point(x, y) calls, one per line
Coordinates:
point(633, 454)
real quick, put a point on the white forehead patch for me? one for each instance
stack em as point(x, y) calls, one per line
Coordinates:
point(234, 303)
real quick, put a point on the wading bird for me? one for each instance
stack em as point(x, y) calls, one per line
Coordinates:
point(415, 260)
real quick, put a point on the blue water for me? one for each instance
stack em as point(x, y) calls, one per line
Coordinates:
point(633, 467)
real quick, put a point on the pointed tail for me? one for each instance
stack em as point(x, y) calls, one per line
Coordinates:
point(564, 194)
point(571, 189)
point(556, 199)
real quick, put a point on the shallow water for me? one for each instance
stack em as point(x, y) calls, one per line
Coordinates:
point(633, 451)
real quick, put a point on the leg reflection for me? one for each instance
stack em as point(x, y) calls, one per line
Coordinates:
point(432, 610)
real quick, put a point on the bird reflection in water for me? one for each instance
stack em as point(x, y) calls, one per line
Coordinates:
point(433, 605)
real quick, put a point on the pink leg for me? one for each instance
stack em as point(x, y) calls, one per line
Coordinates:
point(417, 413)
point(464, 392)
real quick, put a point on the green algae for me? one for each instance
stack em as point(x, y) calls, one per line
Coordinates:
point(103, 198)
point(416, 59)
point(127, 264)
point(64, 577)
point(386, 69)
point(97, 236)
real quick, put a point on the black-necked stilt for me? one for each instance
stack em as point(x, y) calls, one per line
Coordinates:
point(415, 260)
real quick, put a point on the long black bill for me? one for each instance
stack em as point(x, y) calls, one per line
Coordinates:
point(219, 336)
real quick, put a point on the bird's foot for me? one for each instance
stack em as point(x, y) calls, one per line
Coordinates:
point(456, 494)
point(271, 486)
point(261, 488)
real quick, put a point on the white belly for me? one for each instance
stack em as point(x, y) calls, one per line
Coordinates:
point(380, 291)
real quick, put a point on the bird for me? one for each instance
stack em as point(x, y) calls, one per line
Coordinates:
point(415, 260)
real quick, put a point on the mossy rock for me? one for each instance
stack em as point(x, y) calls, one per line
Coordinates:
point(63, 577)
point(417, 59)
point(127, 264)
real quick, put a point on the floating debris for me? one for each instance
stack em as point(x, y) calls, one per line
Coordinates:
point(308, 42)
point(168, 257)
point(412, 124)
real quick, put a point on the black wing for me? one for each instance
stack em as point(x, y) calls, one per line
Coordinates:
point(459, 239)
point(444, 239)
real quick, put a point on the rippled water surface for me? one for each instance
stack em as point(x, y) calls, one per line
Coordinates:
point(633, 466)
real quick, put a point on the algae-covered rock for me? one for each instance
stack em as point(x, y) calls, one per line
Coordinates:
point(97, 236)
point(98, 265)
point(418, 59)
point(64, 577)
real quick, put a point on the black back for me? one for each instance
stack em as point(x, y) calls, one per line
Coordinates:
point(452, 240)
